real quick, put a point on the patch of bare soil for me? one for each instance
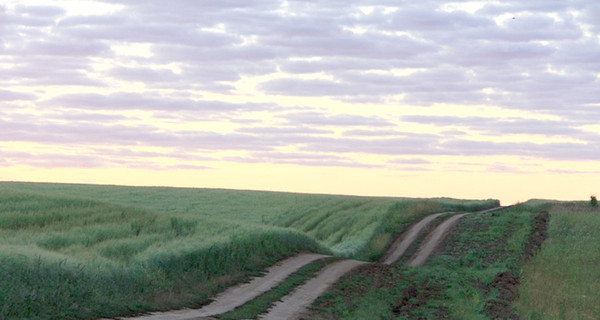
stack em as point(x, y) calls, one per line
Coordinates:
point(537, 236)
point(414, 297)
point(507, 283)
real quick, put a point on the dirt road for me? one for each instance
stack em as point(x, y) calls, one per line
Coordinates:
point(433, 240)
point(399, 247)
point(438, 235)
point(238, 295)
point(293, 304)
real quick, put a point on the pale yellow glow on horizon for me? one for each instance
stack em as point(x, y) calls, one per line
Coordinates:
point(508, 187)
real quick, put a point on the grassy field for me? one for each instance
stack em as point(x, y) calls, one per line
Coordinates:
point(563, 280)
point(80, 251)
point(457, 283)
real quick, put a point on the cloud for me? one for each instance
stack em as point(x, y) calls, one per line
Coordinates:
point(303, 159)
point(185, 62)
point(502, 168)
point(50, 160)
point(320, 119)
point(40, 11)
point(148, 102)
point(49, 71)
point(288, 130)
point(146, 75)
point(554, 151)
point(7, 95)
point(410, 161)
point(493, 126)
point(414, 144)
point(62, 48)
point(371, 133)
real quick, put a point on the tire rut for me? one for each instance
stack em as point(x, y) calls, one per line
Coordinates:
point(238, 295)
point(292, 305)
point(295, 303)
point(399, 247)
point(433, 240)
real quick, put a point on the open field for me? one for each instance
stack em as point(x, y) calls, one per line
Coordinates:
point(78, 251)
point(562, 281)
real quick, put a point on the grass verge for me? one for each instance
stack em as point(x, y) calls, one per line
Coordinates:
point(562, 281)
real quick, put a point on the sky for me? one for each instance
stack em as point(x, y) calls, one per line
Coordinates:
point(463, 99)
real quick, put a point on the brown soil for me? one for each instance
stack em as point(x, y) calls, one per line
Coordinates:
point(414, 297)
point(537, 236)
point(498, 309)
point(507, 283)
point(370, 276)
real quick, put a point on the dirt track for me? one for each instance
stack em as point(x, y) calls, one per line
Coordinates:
point(433, 240)
point(438, 235)
point(399, 247)
point(238, 295)
point(293, 304)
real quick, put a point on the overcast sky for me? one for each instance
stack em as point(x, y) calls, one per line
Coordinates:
point(389, 87)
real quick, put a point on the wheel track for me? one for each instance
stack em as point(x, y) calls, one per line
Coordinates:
point(435, 238)
point(399, 247)
point(238, 295)
point(292, 305)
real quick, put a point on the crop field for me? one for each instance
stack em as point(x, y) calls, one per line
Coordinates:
point(82, 251)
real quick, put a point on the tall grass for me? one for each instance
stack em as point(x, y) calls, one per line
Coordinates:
point(64, 258)
point(77, 251)
point(349, 226)
point(562, 281)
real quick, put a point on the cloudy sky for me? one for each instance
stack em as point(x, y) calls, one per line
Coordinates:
point(477, 99)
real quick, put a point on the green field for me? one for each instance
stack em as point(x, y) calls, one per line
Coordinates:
point(563, 280)
point(82, 251)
